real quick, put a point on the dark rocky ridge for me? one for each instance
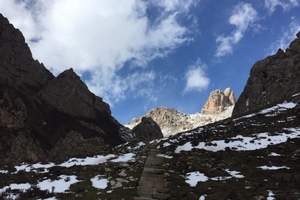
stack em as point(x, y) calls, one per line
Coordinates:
point(147, 130)
point(271, 80)
point(46, 117)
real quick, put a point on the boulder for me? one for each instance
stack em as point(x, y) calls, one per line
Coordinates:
point(147, 130)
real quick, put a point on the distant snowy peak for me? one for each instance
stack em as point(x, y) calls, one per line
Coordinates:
point(219, 106)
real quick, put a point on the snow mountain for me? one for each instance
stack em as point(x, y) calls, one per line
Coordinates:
point(219, 106)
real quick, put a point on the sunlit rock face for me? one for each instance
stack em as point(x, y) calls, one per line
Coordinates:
point(219, 106)
point(218, 101)
point(272, 80)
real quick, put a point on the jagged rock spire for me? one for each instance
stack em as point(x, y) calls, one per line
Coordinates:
point(218, 101)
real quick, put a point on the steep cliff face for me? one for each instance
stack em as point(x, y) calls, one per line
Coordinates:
point(18, 69)
point(42, 116)
point(218, 101)
point(271, 80)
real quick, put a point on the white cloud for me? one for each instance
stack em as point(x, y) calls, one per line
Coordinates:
point(243, 16)
point(99, 36)
point(196, 79)
point(286, 38)
point(175, 5)
point(140, 83)
point(271, 5)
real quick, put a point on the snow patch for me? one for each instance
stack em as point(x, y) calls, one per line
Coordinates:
point(271, 195)
point(164, 156)
point(58, 186)
point(193, 178)
point(235, 174)
point(14, 186)
point(99, 183)
point(3, 171)
point(128, 157)
point(274, 154)
point(243, 143)
point(273, 167)
point(279, 107)
point(96, 160)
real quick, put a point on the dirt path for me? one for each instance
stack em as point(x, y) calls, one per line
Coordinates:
point(152, 184)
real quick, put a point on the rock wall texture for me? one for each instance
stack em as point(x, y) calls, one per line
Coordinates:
point(271, 80)
point(45, 117)
point(218, 101)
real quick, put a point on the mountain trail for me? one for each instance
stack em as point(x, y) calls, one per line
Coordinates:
point(153, 184)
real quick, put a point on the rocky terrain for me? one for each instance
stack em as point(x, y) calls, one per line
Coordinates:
point(248, 156)
point(147, 130)
point(251, 157)
point(271, 80)
point(218, 106)
point(45, 117)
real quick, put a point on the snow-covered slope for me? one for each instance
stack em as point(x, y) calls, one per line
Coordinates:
point(255, 156)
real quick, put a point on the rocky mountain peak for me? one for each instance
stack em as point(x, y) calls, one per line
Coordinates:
point(272, 80)
point(171, 121)
point(68, 94)
point(18, 68)
point(218, 101)
point(43, 116)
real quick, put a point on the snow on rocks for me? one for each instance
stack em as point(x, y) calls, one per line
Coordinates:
point(273, 167)
point(274, 154)
point(99, 183)
point(244, 143)
point(88, 161)
point(58, 186)
point(193, 178)
point(271, 195)
point(38, 167)
point(3, 171)
point(279, 107)
point(51, 198)
point(235, 174)
point(202, 197)
point(186, 147)
point(23, 187)
point(164, 156)
point(96, 160)
point(128, 157)
point(166, 144)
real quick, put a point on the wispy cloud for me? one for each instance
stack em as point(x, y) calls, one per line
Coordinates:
point(287, 36)
point(100, 36)
point(243, 16)
point(196, 78)
point(272, 5)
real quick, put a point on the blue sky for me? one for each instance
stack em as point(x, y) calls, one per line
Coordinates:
point(139, 55)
